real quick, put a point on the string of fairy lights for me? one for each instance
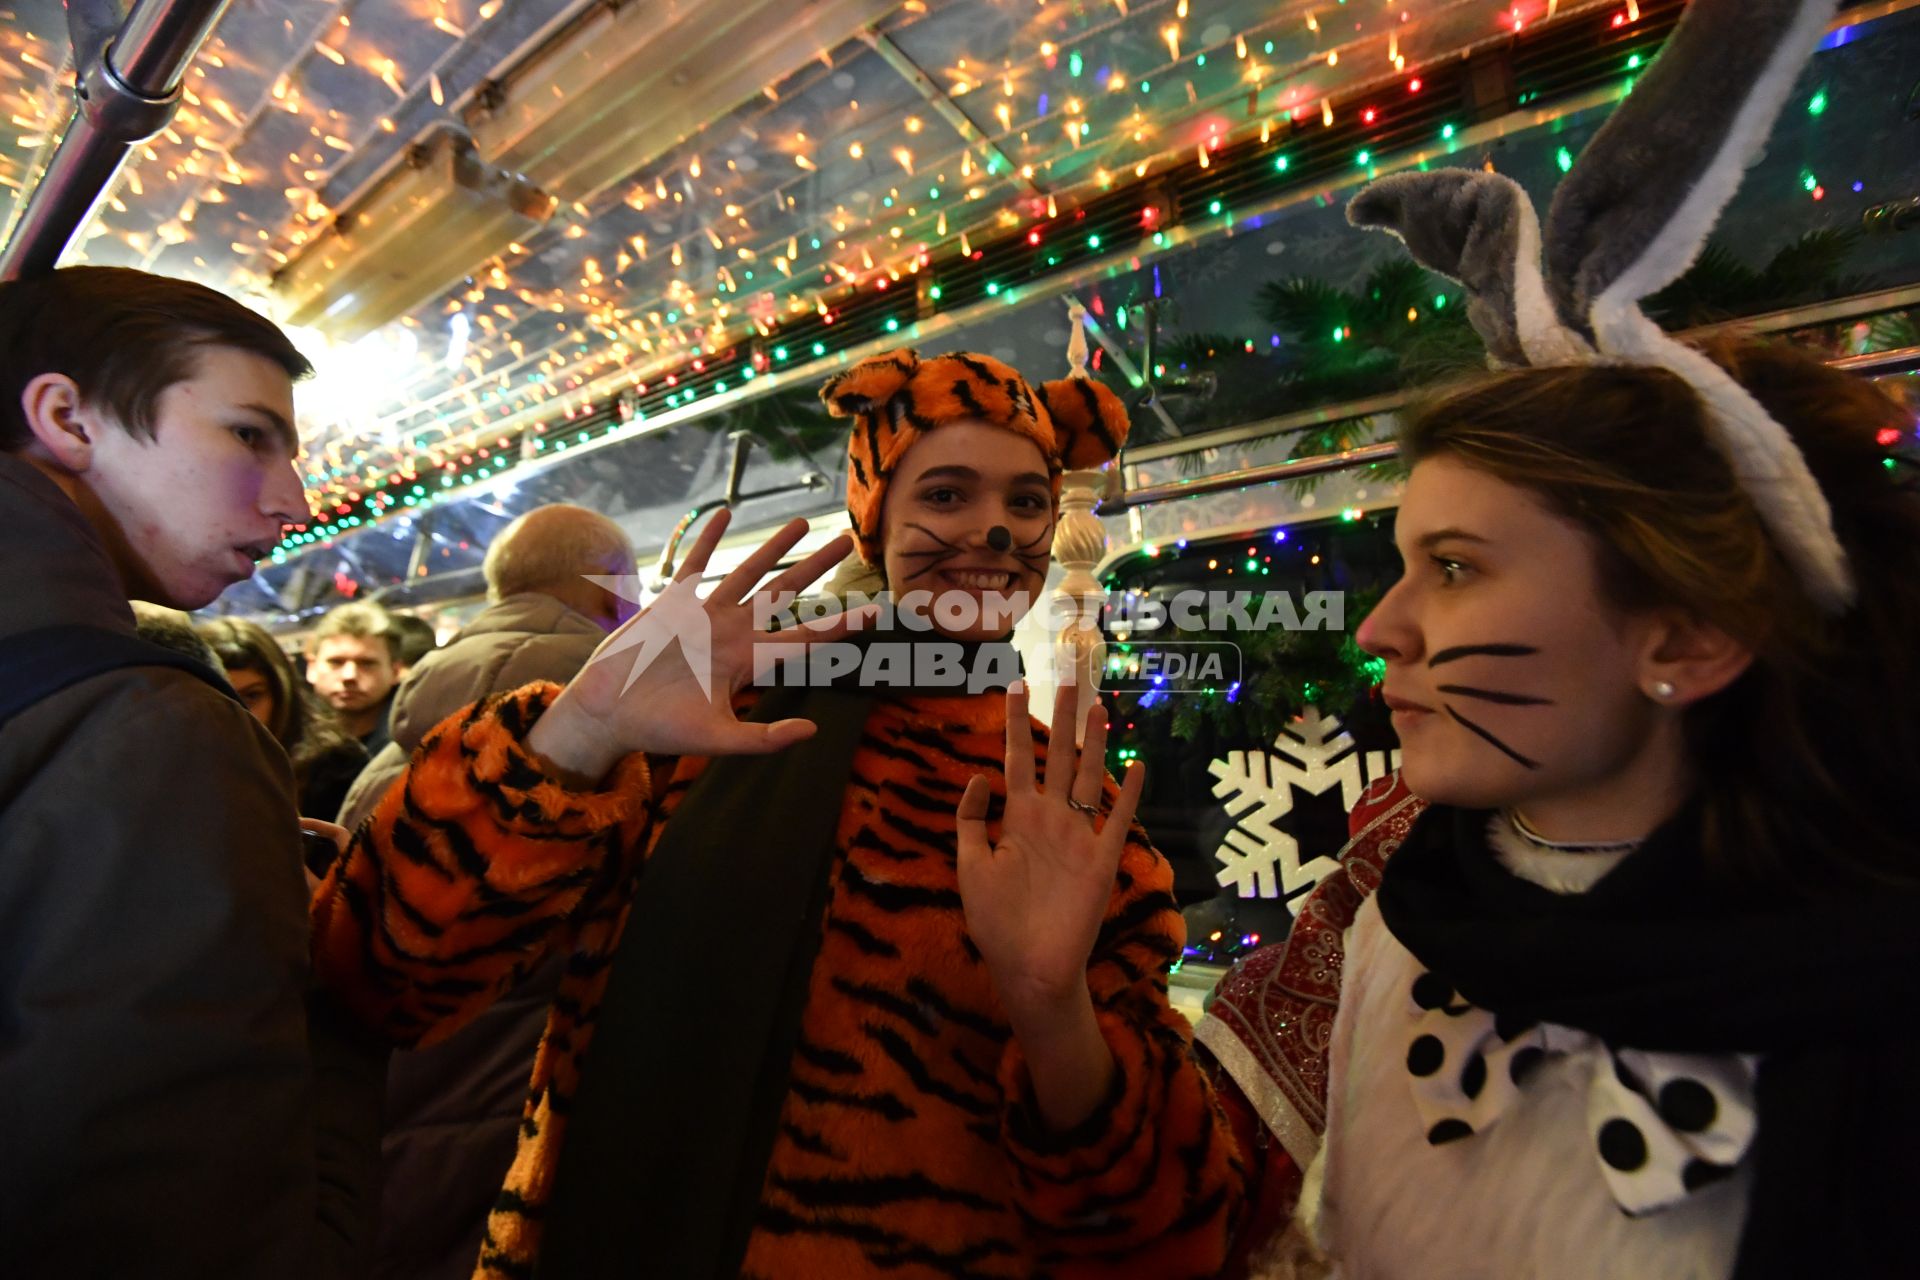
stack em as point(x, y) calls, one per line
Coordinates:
point(1415, 116)
point(822, 256)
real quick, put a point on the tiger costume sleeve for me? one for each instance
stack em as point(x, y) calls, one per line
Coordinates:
point(1151, 1184)
point(474, 867)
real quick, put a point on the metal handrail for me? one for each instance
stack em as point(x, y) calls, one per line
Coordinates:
point(1879, 363)
point(736, 472)
point(128, 87)
point(1296, 469)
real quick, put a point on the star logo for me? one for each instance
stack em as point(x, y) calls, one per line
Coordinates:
point(675, 614)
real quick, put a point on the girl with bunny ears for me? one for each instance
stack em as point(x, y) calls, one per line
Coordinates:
point(939, 1041)
point(1621, 977)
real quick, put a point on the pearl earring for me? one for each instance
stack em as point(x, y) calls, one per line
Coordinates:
point(1663, 689)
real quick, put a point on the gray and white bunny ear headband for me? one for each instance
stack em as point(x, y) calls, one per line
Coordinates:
point(1630, 218)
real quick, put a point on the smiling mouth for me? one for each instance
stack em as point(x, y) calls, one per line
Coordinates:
point(978, 579)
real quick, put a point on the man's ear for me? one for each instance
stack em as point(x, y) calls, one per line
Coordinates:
point(62, 428)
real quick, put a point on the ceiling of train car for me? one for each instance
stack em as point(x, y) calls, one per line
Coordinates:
point(869, 136)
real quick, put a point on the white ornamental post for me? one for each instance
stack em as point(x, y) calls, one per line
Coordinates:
point(1079, 544)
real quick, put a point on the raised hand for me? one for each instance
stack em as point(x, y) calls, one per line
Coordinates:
point(1035, 900)
point(664, 682)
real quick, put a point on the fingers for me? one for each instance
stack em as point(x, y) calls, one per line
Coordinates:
point(1019, 765)
point(1113, 836)
point(333, 831)
point(696, 562)
point(974, 803)
point(1063, 756)
point(1090, 780)
point(762, 739)
point(971, 821)
point(735, 586)
point(812, 569)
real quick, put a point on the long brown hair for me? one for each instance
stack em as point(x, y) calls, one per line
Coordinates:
point(299, 722)
point(1803, 761)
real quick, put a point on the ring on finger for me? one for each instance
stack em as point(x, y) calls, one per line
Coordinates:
point(1092, 811)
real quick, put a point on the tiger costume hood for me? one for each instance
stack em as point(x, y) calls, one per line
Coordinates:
point(897, 397)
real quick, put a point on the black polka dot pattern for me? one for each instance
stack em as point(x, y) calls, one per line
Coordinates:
point(1703, 1173)
point(1525, 1063)
point(1435, 994)
point(1688, 1105)
point(1622, 1145)
point(1668, 1123)
point(1511, 1026)
point(1430, 991)
point(1473, 1076)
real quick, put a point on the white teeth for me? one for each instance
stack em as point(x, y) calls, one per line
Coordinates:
point(983, 581)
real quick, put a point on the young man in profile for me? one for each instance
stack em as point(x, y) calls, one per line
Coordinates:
point(157, 1068)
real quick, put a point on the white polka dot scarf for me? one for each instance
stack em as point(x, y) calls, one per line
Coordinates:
point(1663, 1125)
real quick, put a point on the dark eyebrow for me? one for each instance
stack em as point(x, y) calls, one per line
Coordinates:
point(281, 427)
point(1427, 540)
point(951, 472)
point(955, 471)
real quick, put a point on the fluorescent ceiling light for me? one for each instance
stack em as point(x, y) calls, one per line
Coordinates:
point(421, 229)
point(632, 81)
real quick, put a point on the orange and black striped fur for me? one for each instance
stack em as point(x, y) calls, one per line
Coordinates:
point(907, 1148)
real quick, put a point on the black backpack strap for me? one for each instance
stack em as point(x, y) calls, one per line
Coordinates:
point(39, 664)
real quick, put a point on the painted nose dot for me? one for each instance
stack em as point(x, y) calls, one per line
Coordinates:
point(999, 538)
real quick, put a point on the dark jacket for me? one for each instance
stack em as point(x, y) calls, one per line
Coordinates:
point(158, 1077)
point(330, 776)
point(453, 1109)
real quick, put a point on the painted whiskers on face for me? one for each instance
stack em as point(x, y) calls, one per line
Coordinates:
point(1496, 697)
point(1034, 554)
point(1037, 554)
point(940, 553)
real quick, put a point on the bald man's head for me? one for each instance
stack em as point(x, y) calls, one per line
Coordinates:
point(553, 550)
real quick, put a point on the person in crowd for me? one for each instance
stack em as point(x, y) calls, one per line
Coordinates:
point(353, 663)
point(453, 1111)
point(934, 1035)
point(1624, 981)
point(161, 1073)
point(326, 760)
point(414, 639)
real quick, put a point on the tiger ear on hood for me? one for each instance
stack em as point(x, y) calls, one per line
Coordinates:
point(870, 385)
point(1090, 422)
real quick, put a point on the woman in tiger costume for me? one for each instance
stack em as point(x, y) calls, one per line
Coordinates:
point(938, 1042)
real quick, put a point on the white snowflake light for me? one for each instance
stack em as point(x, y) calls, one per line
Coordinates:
point(1314, 754)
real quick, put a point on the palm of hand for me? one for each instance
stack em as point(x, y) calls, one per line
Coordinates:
point(1034, 905)
point(663, 683)
point(1035, 900)
point(666, 679)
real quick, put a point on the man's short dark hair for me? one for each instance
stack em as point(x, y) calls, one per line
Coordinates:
point(123, 336)
point(363, 620)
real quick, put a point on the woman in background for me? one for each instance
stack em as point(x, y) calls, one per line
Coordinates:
point(325, 759)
